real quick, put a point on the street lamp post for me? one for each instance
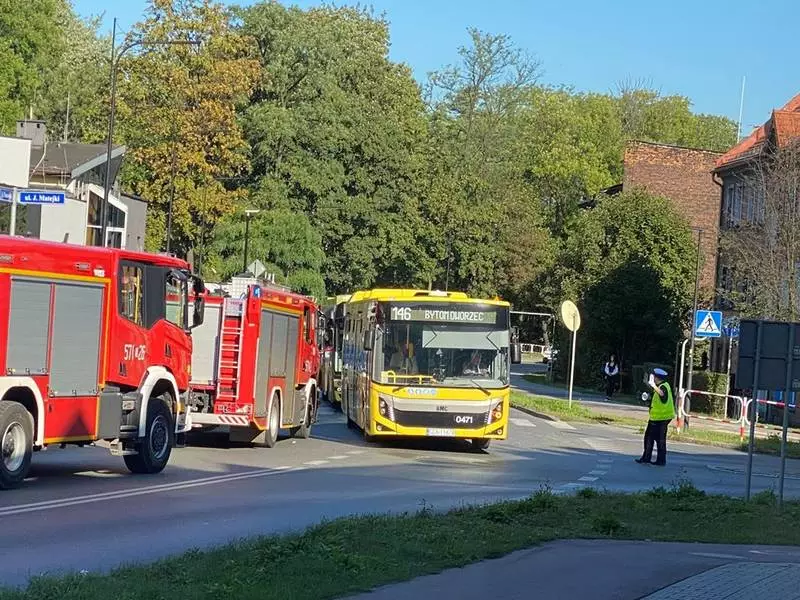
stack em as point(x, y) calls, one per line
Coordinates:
point(248, 214)
point(694, 316)
point(115, 59)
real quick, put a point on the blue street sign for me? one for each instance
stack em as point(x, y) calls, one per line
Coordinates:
point(732, 332)
point(6, 195)
point(708, 324)
point(730, 326)
point(41, 197)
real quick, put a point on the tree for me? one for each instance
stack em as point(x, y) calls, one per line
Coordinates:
point(485, 233)
point(31, 43)
point(647, 115)
point(74, 99)
point(630, 264)
point(178, 115)
point(762, 243)
point(336, 132)
point(285, 242)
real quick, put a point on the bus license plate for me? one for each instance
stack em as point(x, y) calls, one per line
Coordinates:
point(442, 432)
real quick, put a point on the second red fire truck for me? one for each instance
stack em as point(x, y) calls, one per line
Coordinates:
point(255, 363)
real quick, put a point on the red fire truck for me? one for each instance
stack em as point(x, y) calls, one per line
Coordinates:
point(94, 345)
point(255, 363)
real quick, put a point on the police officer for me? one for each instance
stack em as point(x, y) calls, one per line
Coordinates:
point(662, 411)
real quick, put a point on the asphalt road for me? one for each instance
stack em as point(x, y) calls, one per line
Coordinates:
point(82, 510)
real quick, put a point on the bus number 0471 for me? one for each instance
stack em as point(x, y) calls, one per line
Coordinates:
point(401, 314)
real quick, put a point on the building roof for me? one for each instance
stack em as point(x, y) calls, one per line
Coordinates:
point(784, 124)
point(69, 159)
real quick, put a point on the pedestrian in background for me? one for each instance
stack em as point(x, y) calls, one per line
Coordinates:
point(611, 372)
point(662, 411)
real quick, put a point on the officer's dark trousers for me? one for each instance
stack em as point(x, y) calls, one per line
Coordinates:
point(656, 432)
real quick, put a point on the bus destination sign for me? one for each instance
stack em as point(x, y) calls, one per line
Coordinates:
point(443, 314)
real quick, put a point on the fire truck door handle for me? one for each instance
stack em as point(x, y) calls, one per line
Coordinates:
point(168, 351)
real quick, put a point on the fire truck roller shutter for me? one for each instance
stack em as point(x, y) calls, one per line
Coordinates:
point(295, 417)
point(27, 346)
point(75, 350)
point(277, 361)
point(205, 345)
point(263, 365)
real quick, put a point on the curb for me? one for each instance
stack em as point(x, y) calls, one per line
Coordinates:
point(534, 413)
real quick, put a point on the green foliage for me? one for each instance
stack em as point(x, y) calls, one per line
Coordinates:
point(177, 113)
point(337, 131)
point(708, 381)
point(285, 242)
point(630, 264)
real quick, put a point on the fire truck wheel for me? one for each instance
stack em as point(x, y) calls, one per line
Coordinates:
point(16, 428)
point(273, 423)
point(304, 430)
point(154, 450)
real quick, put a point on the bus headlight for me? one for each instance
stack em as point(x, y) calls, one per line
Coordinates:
point(496, 413)
point(385, 408)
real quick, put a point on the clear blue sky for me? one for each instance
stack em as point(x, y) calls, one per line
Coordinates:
point(697, 48)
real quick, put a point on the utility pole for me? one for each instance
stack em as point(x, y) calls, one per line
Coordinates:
point(694, 316)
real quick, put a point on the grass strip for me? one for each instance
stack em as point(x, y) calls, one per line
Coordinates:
point(542, 379)
point(561, 409)
point(356, 554)
point(581, 414)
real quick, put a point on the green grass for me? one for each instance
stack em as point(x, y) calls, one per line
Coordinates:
point(576, 413)
point(356, 554)
point(581, 414)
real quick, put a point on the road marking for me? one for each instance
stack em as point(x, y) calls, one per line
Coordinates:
point(315, 463)
point(714, 555)
point(142, 491)
point(339, 457)
point(355, 452)
point(561, 425)
point(587, 478)
point(605, 461)
point(597, 472)
point(522, 422)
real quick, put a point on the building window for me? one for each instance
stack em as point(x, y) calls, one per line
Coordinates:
point(116, 217)
point(131, 293)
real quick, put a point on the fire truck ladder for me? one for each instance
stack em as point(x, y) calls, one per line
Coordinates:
point(230, 346)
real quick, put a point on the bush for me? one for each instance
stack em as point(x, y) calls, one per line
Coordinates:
point(716, 383)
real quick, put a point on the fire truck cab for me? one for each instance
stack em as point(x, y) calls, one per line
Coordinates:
point(254, 364)
point(94, 345)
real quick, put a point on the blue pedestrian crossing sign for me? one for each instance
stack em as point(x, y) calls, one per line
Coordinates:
point(708, 324)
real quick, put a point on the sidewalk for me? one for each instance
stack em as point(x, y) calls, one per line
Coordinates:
point(597, 402)
point(617, 570)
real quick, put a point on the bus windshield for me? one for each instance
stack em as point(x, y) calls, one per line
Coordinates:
point(442, 354)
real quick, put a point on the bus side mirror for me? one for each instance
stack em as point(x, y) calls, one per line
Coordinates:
point(368, 345)
point(516, 353)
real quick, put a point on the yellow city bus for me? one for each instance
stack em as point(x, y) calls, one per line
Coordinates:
point(426, 363)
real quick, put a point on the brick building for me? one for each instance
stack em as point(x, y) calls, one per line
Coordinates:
point(683, 175)
point(740, 188)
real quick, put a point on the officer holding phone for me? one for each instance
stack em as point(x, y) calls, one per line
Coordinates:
point(662, 411)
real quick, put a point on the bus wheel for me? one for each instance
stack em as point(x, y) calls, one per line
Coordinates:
point(16, 429)
point(273, 423)
point(479, 444)
point(154, 450)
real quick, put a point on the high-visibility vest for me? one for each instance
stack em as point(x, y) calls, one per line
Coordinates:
point(660, 410)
